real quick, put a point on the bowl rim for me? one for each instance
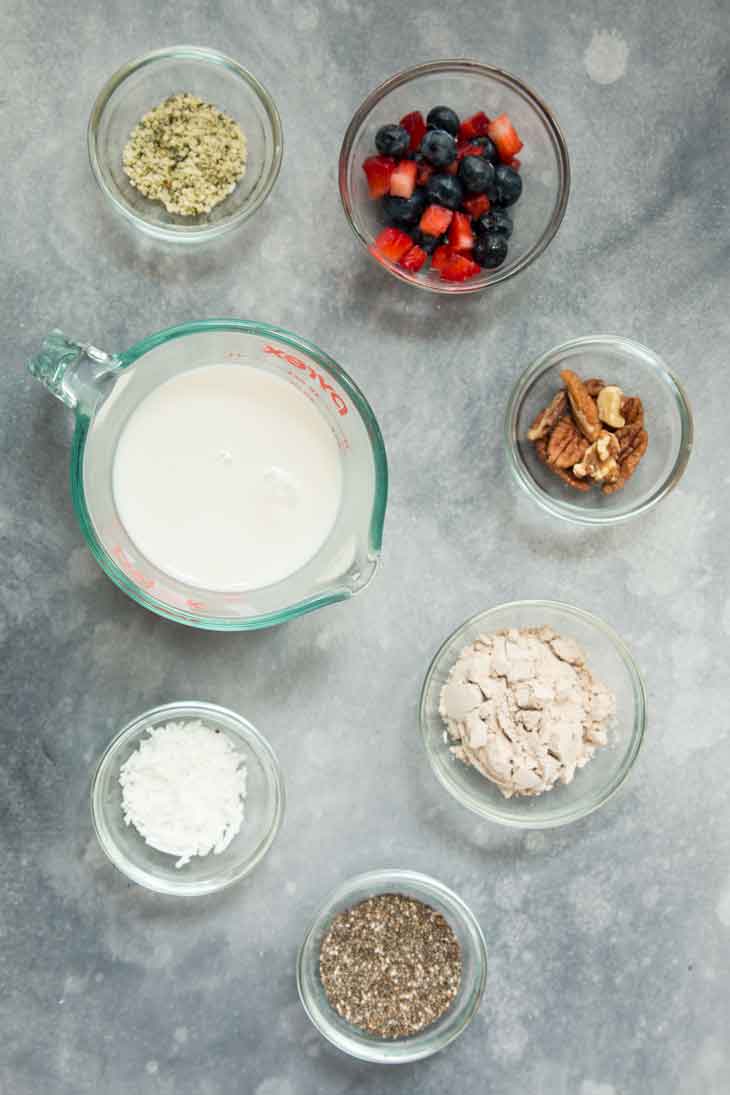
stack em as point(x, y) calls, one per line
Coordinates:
point(474, 67)
point(474, 802)
point(183, 233)
point(187, 709)
point(568, 511)
point(426, 1043)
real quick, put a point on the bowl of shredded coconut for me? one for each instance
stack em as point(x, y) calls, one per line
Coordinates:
point(185, 143)
point(187, 798)
point(532, 713)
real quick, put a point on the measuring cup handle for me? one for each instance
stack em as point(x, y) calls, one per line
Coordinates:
point(72, 371)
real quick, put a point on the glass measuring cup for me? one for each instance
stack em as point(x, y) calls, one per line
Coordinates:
point(104, 389)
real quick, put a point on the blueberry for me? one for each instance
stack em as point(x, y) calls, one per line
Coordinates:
point(428, 243)
point(490, 251)
point(404, 212)
point(488, 147)
point(496, 220)
point(509, 185)
point(392, 140)
point(445, 190)
point(443, 117)
point(439, 147)
point(477, 175)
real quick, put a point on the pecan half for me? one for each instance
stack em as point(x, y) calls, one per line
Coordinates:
point(593, 386)
point(547, 418)
point(629, 463)
point(541, 447)
point(632, 410)
point(583, 405)
point(566, 445)
point(571, 479)
point(628, 438)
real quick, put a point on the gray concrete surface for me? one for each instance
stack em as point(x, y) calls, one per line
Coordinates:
point(609, 940)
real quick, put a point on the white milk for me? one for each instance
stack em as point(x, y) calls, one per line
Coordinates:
point(227, 478)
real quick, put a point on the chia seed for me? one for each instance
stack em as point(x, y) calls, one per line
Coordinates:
point(390, 965)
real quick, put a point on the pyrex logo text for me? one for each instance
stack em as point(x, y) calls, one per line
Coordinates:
point(297, 363)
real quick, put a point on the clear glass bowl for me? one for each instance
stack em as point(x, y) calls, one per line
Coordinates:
point(637, 371)
point(358, 1043)
point(607, 657)
point(138, 87)
point(263, 806)
point(466, 86)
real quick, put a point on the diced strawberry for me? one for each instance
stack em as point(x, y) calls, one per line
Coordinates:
point(467, 149)
point(452, 168)
point(440, 257)
point(415, 126)
point(414, 259)
point(435, 220)
point(477, 206)
point(459, 268)
point(378, 170)
point(461, 237)
point(403, 179)
point(514, 163)
point(424, 173)
point(504, 136)
point(476, 126)
point(391, 244)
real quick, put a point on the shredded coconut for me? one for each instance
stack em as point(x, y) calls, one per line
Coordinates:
point(525, 710)
point(183, 790)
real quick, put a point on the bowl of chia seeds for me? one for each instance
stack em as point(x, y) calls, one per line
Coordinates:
point(185, 143)
point(393, 968)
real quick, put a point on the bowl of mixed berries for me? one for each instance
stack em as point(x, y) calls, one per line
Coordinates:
point(454, 175)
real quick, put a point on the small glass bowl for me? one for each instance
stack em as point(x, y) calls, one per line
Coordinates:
point(358, 1043)
point(466, 86)
point(607, 657)
point(637, 371)
point(139, 86)
point(263, 807)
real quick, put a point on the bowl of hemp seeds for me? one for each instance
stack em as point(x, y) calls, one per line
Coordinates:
point(185, 143)
point(393, 968)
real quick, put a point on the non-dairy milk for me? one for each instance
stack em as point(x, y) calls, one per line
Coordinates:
point(227, 478)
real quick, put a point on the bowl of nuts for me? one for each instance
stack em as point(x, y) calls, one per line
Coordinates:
point(598, 430)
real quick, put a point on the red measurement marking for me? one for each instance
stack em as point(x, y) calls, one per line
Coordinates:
point(297, 363)
point(134, 572)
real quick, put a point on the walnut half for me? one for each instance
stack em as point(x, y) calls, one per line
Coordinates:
point(600, 462)
point(609, 403)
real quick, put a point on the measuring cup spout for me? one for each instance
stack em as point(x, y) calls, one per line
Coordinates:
point(362, 575)
point(74, 372)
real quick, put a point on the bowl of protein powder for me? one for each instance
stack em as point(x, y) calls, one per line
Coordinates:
point(533, 713)
point(187, 798)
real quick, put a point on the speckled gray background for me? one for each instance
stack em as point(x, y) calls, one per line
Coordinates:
point(609, 940)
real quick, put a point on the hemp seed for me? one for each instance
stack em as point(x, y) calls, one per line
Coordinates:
point(185, 153)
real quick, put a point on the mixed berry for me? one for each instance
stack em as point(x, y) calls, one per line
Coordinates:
point(445, 187)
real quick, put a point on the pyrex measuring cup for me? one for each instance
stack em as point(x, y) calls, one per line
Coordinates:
point(104, 389)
